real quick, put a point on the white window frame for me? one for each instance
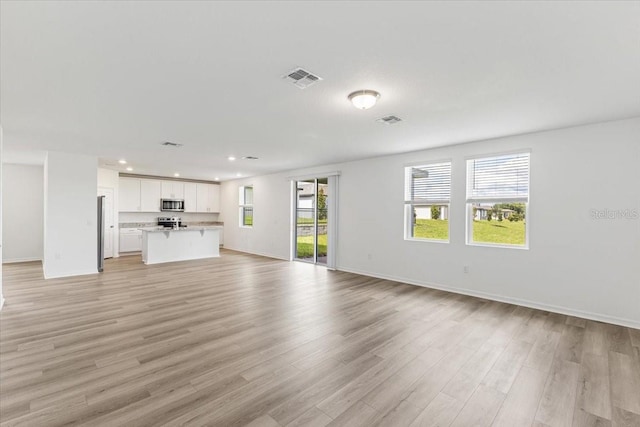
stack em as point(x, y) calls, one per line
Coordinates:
point(243, 206)
point(409, 204)
point(470, 203)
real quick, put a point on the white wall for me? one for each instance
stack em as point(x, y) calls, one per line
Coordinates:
point(109, 179)
point(22, 212)
point(270, 234)
point(576, 264)
point(70, 206)
point(1, 234)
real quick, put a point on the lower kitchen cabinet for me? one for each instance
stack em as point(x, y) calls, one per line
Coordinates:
point(130, 240)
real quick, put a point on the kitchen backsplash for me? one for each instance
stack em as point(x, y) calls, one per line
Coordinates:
point(148, 217)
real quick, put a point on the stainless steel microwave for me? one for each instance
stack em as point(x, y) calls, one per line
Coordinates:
point(172, 205)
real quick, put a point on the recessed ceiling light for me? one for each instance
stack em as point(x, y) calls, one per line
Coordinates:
point(216, 179)
point(129, 168)
point(122, 161)
point(249, 158)
point(238, 174)
point(176, 174)
point(364, 99)
point(231, 158)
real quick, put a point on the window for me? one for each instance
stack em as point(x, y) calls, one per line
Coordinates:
point(427, 192)
point(246, 206)
point(498, 200)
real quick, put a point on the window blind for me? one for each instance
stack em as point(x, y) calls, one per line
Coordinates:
point(428, 184)
point(504, 178)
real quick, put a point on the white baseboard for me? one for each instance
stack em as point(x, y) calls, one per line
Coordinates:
point(630, 323)
point(15, 260)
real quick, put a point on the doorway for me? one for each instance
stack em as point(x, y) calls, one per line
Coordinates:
point(312, 220)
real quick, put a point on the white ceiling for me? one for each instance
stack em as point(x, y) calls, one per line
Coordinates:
point(114, 79)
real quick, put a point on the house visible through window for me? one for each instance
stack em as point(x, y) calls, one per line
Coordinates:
point(426, 197)
point(498, 200)
point(246, 206)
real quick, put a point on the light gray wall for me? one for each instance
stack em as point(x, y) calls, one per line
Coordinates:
point(22, 212)
point(576, 264)
point(70, 206)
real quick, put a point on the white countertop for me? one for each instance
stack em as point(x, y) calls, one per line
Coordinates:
point(192, 228)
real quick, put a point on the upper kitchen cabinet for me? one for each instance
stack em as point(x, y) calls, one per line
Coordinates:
point(190, 197)
point(208, 198)
point(129, 195)
point(150, 195)
point(143, 195)
point(172, 189)
point(214, 198)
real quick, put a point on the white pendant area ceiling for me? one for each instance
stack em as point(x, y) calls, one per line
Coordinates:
point(116, 79)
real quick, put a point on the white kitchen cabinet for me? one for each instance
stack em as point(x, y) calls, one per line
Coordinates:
point(202, 201)
point(129, 195)
point(208, 198)
point(172, 189)
point(214, 198)
point(143, 195)
point(130, 240)
point(150, 195)
point(190, 197)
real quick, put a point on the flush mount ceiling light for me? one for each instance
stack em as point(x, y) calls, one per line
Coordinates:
point(231, 158)
point(364, 99)
point(176, 174)
point(122, 161)
point(129, 168)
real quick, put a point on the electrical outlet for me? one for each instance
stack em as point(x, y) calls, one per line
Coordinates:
point(466, 269)
point(369, 257)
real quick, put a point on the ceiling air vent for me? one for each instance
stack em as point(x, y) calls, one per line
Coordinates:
point(249, 158)
point(301, 78)
point(389, 120)
point(170, 144)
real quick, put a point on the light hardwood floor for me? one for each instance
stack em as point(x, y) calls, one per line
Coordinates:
point(249, 340)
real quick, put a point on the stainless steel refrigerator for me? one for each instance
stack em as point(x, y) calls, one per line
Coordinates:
point(100, 223)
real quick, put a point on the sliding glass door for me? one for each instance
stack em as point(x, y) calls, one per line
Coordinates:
point(311, 210)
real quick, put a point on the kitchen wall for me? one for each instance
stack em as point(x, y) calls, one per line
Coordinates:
point(22, 213)
point(576, 264)
point(70, 215)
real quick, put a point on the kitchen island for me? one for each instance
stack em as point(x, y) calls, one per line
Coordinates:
point(161, 244)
